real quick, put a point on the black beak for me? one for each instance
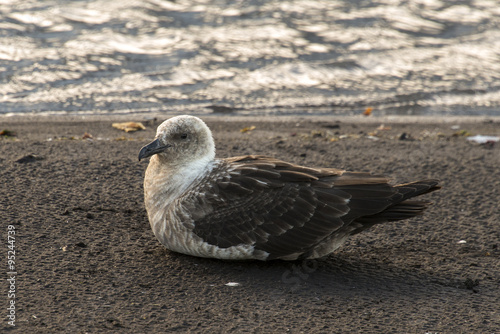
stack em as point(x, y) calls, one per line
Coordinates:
point(152, 148)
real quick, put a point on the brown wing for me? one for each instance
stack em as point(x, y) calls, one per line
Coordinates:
point(282, 208)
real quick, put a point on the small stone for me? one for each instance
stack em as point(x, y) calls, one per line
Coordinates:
point(232, 284)
point(29, 158)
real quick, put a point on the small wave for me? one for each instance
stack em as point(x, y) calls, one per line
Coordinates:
point(273, 57)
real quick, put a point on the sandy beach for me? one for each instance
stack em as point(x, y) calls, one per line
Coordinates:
point(88, 262)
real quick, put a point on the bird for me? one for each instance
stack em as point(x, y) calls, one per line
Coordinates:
point(256, 207)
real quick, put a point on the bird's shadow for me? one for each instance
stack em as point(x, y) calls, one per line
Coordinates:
point(336, 275)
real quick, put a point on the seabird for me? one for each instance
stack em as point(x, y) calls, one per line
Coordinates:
point(258, 207)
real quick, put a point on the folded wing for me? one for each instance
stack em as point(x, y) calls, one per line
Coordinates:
point(283, 209)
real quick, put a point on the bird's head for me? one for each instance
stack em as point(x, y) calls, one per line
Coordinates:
point(181, 139)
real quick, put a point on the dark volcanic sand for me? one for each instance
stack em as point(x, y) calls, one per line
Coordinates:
point(88, 262)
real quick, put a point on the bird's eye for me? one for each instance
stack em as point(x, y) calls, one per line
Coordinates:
point(184, 136)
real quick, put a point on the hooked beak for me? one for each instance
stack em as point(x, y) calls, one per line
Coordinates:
point(152, 148)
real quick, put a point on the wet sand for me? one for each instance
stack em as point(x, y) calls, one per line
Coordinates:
point(87, 261)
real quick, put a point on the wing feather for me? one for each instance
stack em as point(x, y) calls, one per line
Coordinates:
point(285, 209)
point(271, 203)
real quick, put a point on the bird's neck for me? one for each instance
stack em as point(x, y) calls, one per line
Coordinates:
point(164, 183)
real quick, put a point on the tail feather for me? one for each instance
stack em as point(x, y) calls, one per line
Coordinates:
point(417, 188)
point(404, 208)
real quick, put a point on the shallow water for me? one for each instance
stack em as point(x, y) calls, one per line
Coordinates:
point(421, 57)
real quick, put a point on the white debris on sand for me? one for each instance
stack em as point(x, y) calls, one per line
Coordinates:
point(480, 139)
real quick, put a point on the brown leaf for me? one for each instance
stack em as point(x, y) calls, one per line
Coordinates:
point(462, 133)
point(129, 126)
point(382, 127)
point(248, 128)
point(7, 133)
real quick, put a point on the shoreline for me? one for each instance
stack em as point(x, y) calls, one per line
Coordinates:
point(268, 118)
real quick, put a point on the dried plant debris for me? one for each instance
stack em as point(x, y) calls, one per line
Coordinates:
point(382, 127)
point(7, 133)
point(247, 129)
point(368, 111)
point(87, 135)
point(462, 133)
point(129, 126)
point(123, 138)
